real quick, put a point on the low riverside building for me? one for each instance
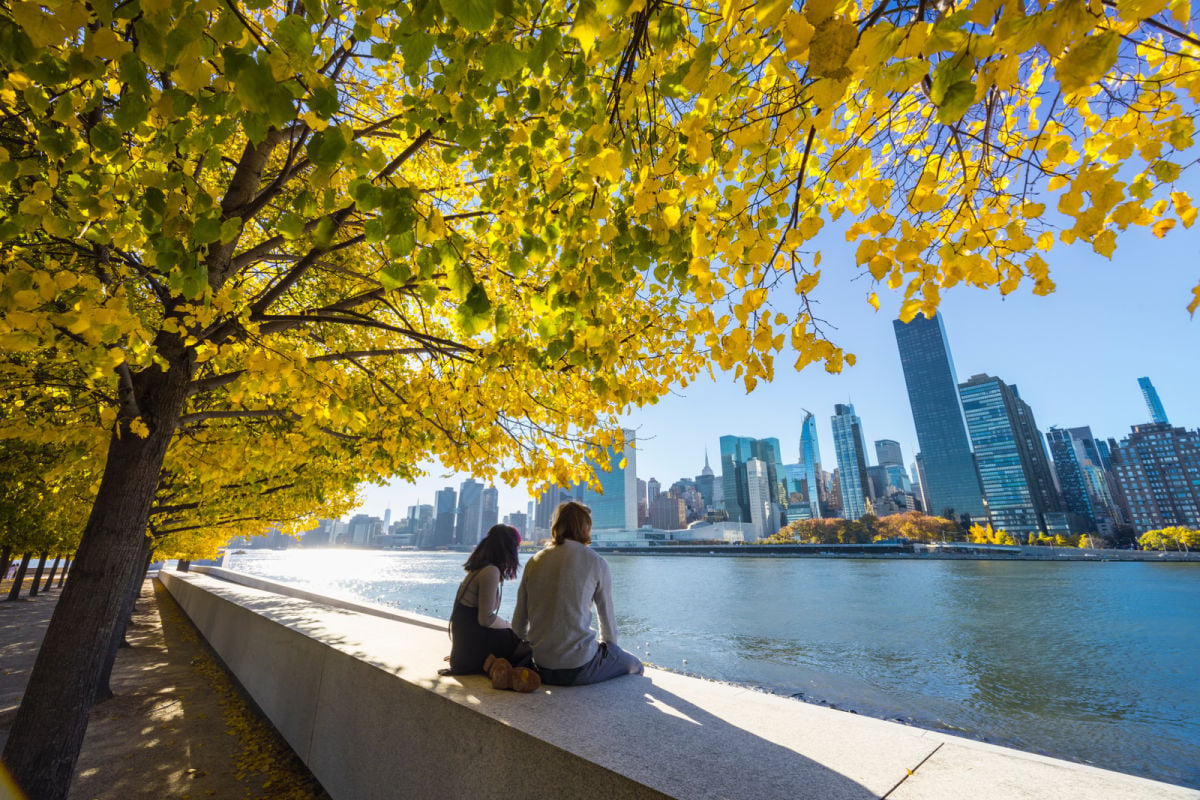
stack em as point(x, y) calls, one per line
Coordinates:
point(696, 533)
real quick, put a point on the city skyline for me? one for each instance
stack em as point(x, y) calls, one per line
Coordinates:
point(1076, 356)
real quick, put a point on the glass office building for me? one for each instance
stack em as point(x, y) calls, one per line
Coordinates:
point(949, 479)
point(851, 450)
point(810, 463)
point(615, 507)
point(1013, 465)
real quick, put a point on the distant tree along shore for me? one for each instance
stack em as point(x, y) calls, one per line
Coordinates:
point(917, 527)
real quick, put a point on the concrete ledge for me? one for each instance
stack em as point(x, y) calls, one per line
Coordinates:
point(356, 693)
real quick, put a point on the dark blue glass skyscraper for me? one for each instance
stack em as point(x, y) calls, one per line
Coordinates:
point(949, 479)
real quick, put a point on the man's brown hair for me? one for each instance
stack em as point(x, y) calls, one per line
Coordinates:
point(572, 521)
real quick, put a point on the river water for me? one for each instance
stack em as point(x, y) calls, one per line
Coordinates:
point(1096, 663)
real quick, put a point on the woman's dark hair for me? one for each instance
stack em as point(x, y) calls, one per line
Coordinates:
point(498, 548)
point(572, 520)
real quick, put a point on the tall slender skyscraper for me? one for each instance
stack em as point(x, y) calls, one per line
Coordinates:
point(949, 478)
point(1013, 465)
point(1157, 412)
point(851, 451)
point(810, 463)
point(705, 482)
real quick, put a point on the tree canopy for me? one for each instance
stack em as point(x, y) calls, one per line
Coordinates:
point(270, 248)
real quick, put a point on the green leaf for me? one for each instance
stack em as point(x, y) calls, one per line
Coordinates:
point(228, 28)
point(474, 15)
point(501, 60)
point(206, 231)
point(461, 280)
point(949, 72)
point(542, 48)
point(323, 235)
point(16, 45)
point(416, 48)
point(395, 274)
point(290, 225)
point(105, 137)
point(327, 147)
point(1087, 62)
point(131, 111)
point(956, 101)
point(294, 34)
point(474, 311)
point(231, 229)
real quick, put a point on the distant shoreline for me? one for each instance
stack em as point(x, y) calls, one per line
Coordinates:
point(957, 551)
point(950, 551)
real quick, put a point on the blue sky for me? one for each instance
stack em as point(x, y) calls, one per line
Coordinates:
point(1075, 356)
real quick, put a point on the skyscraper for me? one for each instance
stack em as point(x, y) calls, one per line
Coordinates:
point(887, 451)
point(705, 482)
point(1157, 412)
point(949, 479)
point(1083, 479)
point(918, 471)
point(758, 481)
point(1157, 468)
point(736, 451)
point(1013, 465)
point(470, 512)
point(489, 513)
point(810, 463)
point(851, 452)
point(615, 506)
point(443, 518)
point(543, 516)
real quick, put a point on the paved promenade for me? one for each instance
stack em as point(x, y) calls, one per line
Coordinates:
point(177, 726)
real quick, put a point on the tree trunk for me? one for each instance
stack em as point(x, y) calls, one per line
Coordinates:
point(53, 569)
point(15, 592)
point(37, 576)
point(5, 562)
point(66, 568)
point(47, 732)
point(103, 689)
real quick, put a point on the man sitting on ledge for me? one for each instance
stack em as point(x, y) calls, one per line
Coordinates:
point(554, 607)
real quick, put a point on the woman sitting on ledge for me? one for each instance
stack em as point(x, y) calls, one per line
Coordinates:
point(560, 586)
point(476, 628)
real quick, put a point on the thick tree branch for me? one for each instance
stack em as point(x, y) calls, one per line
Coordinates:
point(339, 217)
point(204, 385)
